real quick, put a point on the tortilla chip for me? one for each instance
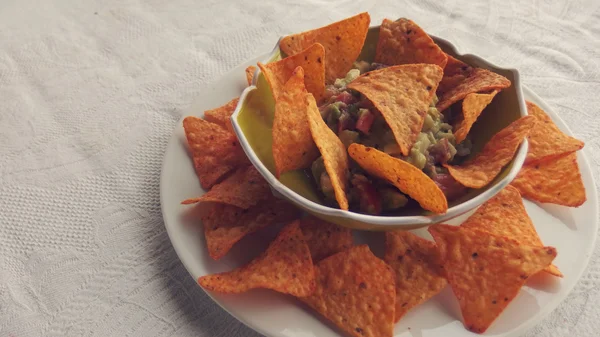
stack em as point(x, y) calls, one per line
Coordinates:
point(342, 40)
point(546, 141)
point(479, 80)
point(455, 72)
point(417, 266)
point(486, 271)
point(215, 151)
point(333, 152)
point(225, 225)
point(355, 291)
point(324, 238)
point(402, 94)
point(406, 177)
point(505, 215)
point(293, 147)
point(285, 267)
point(310, 59)
point(250, 74)
point(555, 182)
point(404, 42)
point(497, 152)
point(222, 114)
point(472, 106)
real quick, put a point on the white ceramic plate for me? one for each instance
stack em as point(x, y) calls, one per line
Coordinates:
point(571, 230)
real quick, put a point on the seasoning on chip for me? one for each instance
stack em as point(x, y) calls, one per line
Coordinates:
point(215, 151)
point(250, 74)
point(496, 153)
point(406, 177)
point(417, 266)
point(404, 42)
point(546, 141)
point(486, 271)
point(355, 291)
point(479, 80)
point(556, 182)
point(455, 72)
point(244, 188)
point(505, 215)
point(324, 238)
point(285, 267)
point(222, 114)
point(472, 106)
point(310, 59)
point(342, 40)
point(293, 146)
point(402, 95)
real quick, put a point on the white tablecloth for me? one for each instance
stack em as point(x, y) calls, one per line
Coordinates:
point(90, 91)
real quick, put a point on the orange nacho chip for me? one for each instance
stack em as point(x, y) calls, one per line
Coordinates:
point(355, 291)
point(406, 177)
point(402, 94)
point(479, 80)
point(244, 188)
point(250, 74)
point(455, 72)
point(472, 106)
point(333, 152)
point(546, 141)
point(225, 225)
point(293, 147)
point(215, 151)
point(342, 40)
point(417, 266)
point(556, 182)
point(404, 42)
point(285, 267)
point(324, 238)
point(505, 215)
point(222, 115)
point(496, 153)
point(486, 271)
point(310, 59)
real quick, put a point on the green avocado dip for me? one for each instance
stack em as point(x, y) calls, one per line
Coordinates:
point(355, 120)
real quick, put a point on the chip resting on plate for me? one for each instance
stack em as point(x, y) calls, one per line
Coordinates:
point(505, 215)
point(222, 115)
point(486, 271)
point(250, 74)
point(324, 238)
point(497, 152)
point(310, 59)
point(342, 40)
point(472, 106)
point(215, 151)
point(555, 181)
point(333, 152)
point(404, 42)
point(479, 80)
point(455, 72)
point(355, 291)
point(244, 188)
point(406, 177)
point(225, 225)
point(402, 94)
point(417, 266)
point(285, 267)
point(293, 146)
point(546, 141)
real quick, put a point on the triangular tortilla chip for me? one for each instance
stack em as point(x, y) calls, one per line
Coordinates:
point(215, 151)
point(556, 182)
point(293, 146)
point(250, 74)
point(355, 291)
point(222, 115)
point(546, 141)
point(342, 40)
point(324, 238)
point(479, 80)
point(497, 152)
point(472, 106)
point(406, 177)
point(417, 266)
point(310, 59)
point(285, 267)
point(505, 215)
point(404, 42)
point(486, 271)
point(402, 94)
point(455, 72)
